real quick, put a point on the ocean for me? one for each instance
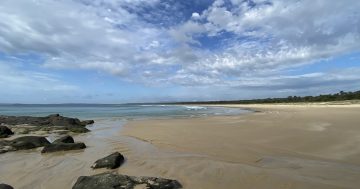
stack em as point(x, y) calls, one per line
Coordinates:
point(120, 111)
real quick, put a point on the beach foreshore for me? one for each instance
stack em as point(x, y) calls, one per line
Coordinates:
point(278, 146)
point(275, 147)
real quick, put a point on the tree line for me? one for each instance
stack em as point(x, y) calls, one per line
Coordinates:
point(290, 99)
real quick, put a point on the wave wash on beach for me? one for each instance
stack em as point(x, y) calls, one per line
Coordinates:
point(68, 157)
point(272, 146)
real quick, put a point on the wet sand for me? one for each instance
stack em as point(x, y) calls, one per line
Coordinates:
point(288, 146)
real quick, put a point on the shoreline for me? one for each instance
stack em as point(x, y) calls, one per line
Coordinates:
point(280, 142)
point(279, 147)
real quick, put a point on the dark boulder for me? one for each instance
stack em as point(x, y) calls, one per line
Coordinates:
point(77, 129)
point(63, 121)
point(5, 132)
point(54, 115)
point(63, 147)
point(112, 180)
point(22, 143)
point(87, 122)
point(5, 186)
point(112, 161)
point(28, 142)
point(64, 139)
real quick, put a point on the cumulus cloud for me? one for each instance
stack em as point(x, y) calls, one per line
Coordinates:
point(270, 36)
point(76, 35)
point(195, 15)
point(138, 41)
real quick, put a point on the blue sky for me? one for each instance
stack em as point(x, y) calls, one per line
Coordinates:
point(118, 51)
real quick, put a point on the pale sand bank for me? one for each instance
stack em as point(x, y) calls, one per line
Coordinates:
point(280, 147)
point(283, 146)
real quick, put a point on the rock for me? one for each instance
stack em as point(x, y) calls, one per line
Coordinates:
point(64, 139)
point(112, 161)
point(87, 122)
point(5, 148)
point(112, 180)
point(54, 115)
point(23, 143)
point(63, 121)
point(63, 147)
point(50, 120)
point(5, 186)
point(47, 123)
point(77, 129)
point(28, 142)
point(5, 132)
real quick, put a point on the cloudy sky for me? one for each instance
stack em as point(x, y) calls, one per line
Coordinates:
point(115, 51)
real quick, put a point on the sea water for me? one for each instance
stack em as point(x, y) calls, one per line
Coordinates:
point(121, 111)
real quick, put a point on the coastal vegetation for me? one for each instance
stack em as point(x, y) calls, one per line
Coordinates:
point(341, 96)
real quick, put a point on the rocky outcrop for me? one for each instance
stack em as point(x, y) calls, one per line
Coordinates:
point(77, 129)
point(112, 180)
point(50, 123)
point(87, 122)
point(5, 186)
point(50, 120)
point(37, 141)
point(63, 147)
point(5, 132)
point(23, 143)
point(64, 139)
point(112, 161)
point(64, 143)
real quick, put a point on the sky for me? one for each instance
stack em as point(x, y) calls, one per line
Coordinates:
point(120, 51)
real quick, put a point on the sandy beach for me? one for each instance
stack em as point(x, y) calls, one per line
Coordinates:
point(275, 147)
point(280, 146)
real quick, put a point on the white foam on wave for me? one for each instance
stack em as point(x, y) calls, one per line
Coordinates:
point(155, 105)
point(319, 126)
point(195, 107)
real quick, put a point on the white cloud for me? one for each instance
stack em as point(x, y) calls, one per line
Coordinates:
point(252, 42)
point(271, 37)
point(273, 86)
point(185, 32)
point(195, 15)
point(74, 35)
point(14, 79)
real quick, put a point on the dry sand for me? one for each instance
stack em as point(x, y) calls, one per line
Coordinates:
point(286, 146)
